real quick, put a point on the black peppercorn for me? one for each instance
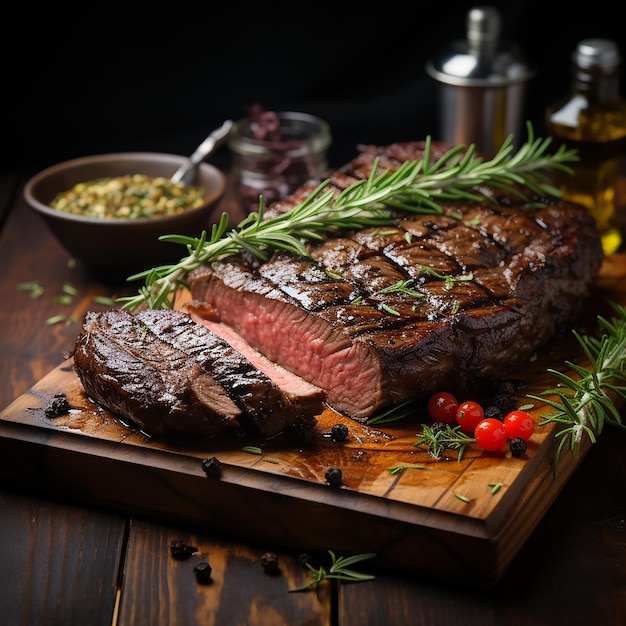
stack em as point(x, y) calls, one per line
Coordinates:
point(202, 572)
point(339, 432)
point(58, 405)
point(212, 467)
point(494, 411)
point(517, 446)
point(180, 550)
point(505, 402)
point(334, 476)
point(269, 562)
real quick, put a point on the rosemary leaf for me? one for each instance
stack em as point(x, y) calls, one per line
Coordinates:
point(416, 187)
point(396, 469)
point(583, 404)
point(495, 487)
point(252, 450)
point(338, 570)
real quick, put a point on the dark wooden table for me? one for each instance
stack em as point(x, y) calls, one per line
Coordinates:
point(65, 563)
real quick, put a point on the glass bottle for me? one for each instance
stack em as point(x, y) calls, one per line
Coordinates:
point(274, 153)
point(592, 119)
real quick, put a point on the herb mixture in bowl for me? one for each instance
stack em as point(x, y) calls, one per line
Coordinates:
point(128, 197)
point(110, 211)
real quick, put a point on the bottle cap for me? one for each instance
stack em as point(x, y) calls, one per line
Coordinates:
point(483, 59)
point(601, 53)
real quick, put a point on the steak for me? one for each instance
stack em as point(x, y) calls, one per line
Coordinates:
point(126, 368)
point(270, 406)
point(379, 316)
point(167, 374)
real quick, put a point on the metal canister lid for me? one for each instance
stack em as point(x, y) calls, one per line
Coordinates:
point(600, 53)
point(482, 59)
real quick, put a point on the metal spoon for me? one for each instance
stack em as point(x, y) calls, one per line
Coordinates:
point(212, 142)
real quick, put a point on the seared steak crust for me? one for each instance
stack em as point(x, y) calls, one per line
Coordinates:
point(124, 367)
point(380, 316)
point(262, 401)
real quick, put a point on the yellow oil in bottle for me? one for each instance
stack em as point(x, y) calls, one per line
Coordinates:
point(592, 119)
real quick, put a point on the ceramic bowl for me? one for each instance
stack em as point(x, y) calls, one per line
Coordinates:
point(118, 248)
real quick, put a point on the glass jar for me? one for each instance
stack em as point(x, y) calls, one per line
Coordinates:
point(274, 153)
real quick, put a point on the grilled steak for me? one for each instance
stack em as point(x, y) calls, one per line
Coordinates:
point(269, 405)
point(126, 368)
point(379, 316)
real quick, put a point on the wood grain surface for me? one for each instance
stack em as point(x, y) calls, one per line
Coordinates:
point(63, 561)
point(445, 511)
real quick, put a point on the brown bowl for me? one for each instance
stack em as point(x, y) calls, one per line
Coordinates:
point(117, 248)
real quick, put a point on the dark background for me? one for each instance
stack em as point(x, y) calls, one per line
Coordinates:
point(104, 78)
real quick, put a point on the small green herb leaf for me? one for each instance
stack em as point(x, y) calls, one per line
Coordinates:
point(35, 289)
point(55, 319)
point(396, 469)
point(338, 570)
point(252, 450)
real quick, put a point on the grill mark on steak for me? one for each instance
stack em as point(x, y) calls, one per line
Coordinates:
point(124, 367)
point(524, 273)
point(270, 406)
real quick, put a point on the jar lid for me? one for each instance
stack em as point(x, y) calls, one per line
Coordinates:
point(601, 53)
point(482, 59)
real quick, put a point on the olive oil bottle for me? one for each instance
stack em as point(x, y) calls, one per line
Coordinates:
point(592, 119)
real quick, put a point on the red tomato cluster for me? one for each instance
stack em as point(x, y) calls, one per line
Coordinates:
point(490, 433)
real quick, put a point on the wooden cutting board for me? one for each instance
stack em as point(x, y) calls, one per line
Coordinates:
point(443, 520)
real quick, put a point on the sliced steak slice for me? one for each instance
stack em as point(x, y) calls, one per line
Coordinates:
point(272, 404)
point(379, 316)
point(127, 369)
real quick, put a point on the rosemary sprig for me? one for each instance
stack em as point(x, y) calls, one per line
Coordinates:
point(417, 186)
point(338, 570)
point(586, 403)
point(445, 438)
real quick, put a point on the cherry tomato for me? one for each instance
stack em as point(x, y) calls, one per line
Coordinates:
point(518, 424)
point(490, 434)
point(468, 415)
point(442, 407)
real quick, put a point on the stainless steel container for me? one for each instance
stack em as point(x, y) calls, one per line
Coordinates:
point(482, 85)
